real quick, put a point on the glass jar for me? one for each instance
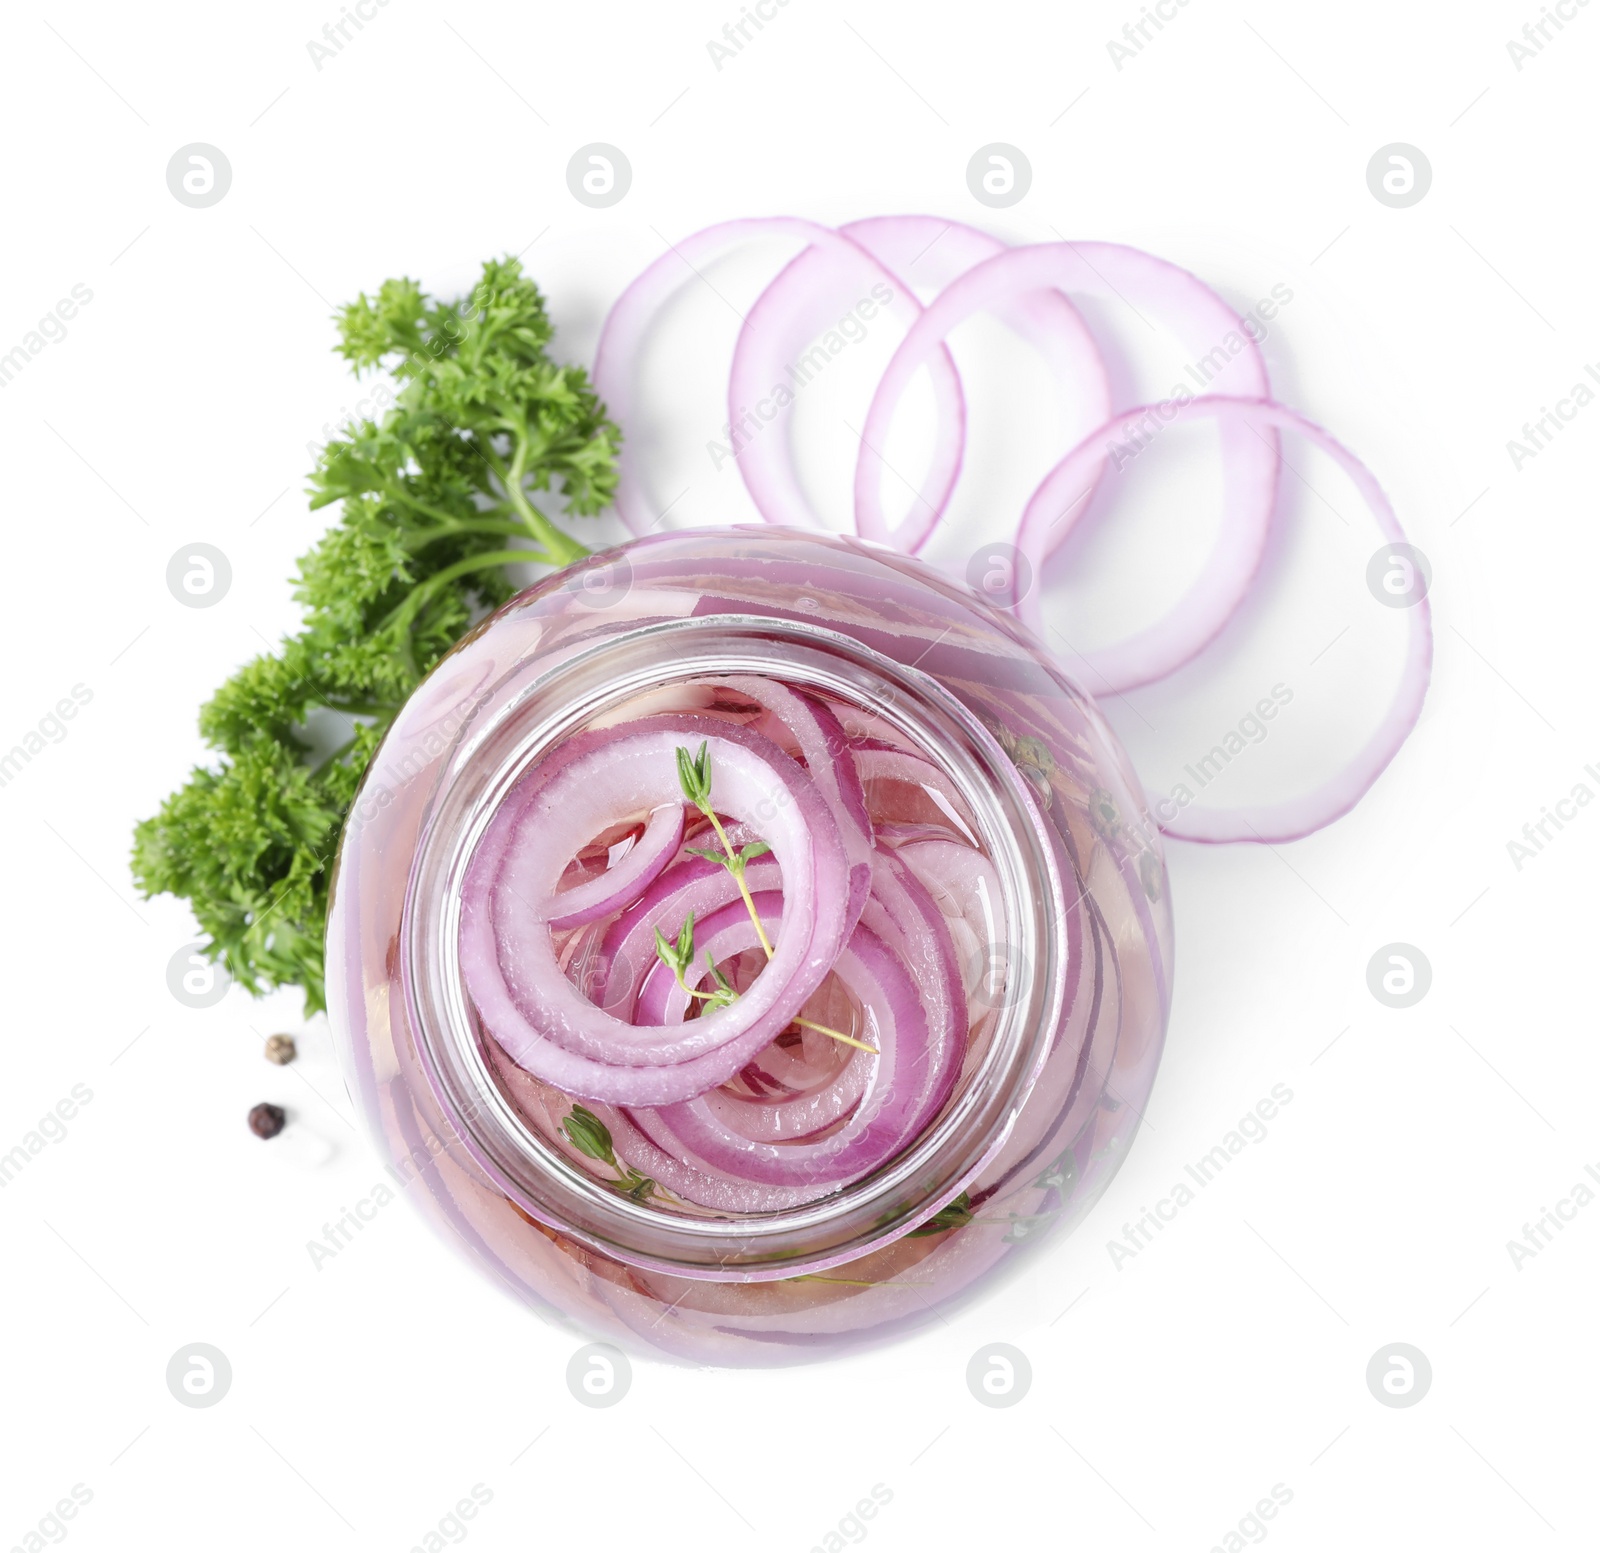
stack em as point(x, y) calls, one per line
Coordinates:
point(1073, 993)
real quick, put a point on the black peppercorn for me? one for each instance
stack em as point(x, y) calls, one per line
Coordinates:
point(266, 1121)
point(280, 1049)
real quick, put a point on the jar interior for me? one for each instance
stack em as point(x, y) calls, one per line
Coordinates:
point(518, 1125)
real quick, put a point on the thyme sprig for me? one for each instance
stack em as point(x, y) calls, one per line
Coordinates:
point(694, 777)
point(589, 1135)
point(679, 955)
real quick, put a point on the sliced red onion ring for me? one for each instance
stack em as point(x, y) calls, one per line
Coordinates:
point(892, 1108)
point(627, 953)
point(725, 933)
point(1048, 320)
point(622, 884)
point(640, 1139)
point(824, 746)
point(896, 765)
point(794, 1116)
point(902, 913)
point(1029, 288)
point(630, 317)
point(966, 887)
point(632, 1146)
point(509, 964)
point(776, 342)
point(1294, 818)
point(1203, 322)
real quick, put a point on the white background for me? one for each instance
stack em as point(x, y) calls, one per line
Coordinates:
point(1168, 1396)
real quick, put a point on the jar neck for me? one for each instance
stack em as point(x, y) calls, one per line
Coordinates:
point(525, 716)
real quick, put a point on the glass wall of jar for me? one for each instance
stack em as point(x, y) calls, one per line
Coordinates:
point(994, 789)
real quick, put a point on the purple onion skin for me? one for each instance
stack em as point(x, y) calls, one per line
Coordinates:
point(1078, 1123)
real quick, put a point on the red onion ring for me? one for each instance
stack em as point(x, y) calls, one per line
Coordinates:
point(792, 1116)
point(824, 747)
point(510, 966)
point(788, 316)
point(622, 884)
point(964, 886)
point(629, 320)
point(661, 1158)
point(902, 913)
point(1294, 818)
point(897, 765)
point(770, 349)
point(1027, 288)
point(1201, 319)
point(892, 1107)
point(627, 952)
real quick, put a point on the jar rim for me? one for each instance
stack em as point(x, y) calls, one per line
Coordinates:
point(520, 719)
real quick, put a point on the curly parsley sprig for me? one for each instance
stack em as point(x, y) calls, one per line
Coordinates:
point(438, 498)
